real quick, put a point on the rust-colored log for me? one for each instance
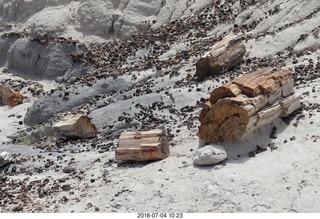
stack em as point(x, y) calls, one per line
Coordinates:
point(247, 103)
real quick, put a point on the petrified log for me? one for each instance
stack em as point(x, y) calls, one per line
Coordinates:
point(247, 103)
point(143, 146)
point(76, 126)
point(222, 57)
point(9, 96)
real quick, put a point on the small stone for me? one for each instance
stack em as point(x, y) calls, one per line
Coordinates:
point(252, 154)
point(209, 155)
point(272, 146)
point(260, 149)
point(3, 178)
point(293, 138)
point(217, 167)
point(148, 91)
point(62, 180)
point(17, 208)
point(72, 80)
point(69, 169)
point(66, 187)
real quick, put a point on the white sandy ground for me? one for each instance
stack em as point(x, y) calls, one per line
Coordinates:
point(282, 180)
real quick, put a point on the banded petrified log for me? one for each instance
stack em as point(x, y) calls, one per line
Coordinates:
point(143, 146)
point(222, 57)
point(247, 103)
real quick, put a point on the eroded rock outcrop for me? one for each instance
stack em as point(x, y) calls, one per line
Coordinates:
point(31, 59)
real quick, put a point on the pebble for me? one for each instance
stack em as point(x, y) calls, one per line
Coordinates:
point(252, 154)
point(17, 208)
point(69, 169)
point(272, 146)
point(66, 187)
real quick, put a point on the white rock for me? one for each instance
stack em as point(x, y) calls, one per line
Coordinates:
point(209, 155)
point(5, 158)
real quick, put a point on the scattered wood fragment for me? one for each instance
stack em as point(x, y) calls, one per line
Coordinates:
point(143, 146)
point(223, 56)
point(9, 96)
point(76, 126)
point(5, 158)
point(247, 103)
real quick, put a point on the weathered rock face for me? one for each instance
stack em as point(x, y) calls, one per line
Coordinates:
point(9, 96)
point(103, 18)
point(33, 60)
point(5, 158)
point(21, 10)
point(247, 103)
point(209, 155)
point(76, 126)
point(143, 146)
point(222, 57)
point(52, 104)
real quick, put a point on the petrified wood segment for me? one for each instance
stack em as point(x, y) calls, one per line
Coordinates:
point(222, 57)
point(247, 103)
point(143, 146)
point(9, 96)
point(76, 126)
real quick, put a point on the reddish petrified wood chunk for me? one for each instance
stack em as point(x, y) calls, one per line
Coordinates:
point(247, 103)
point(143, 146)
point(223, 56)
